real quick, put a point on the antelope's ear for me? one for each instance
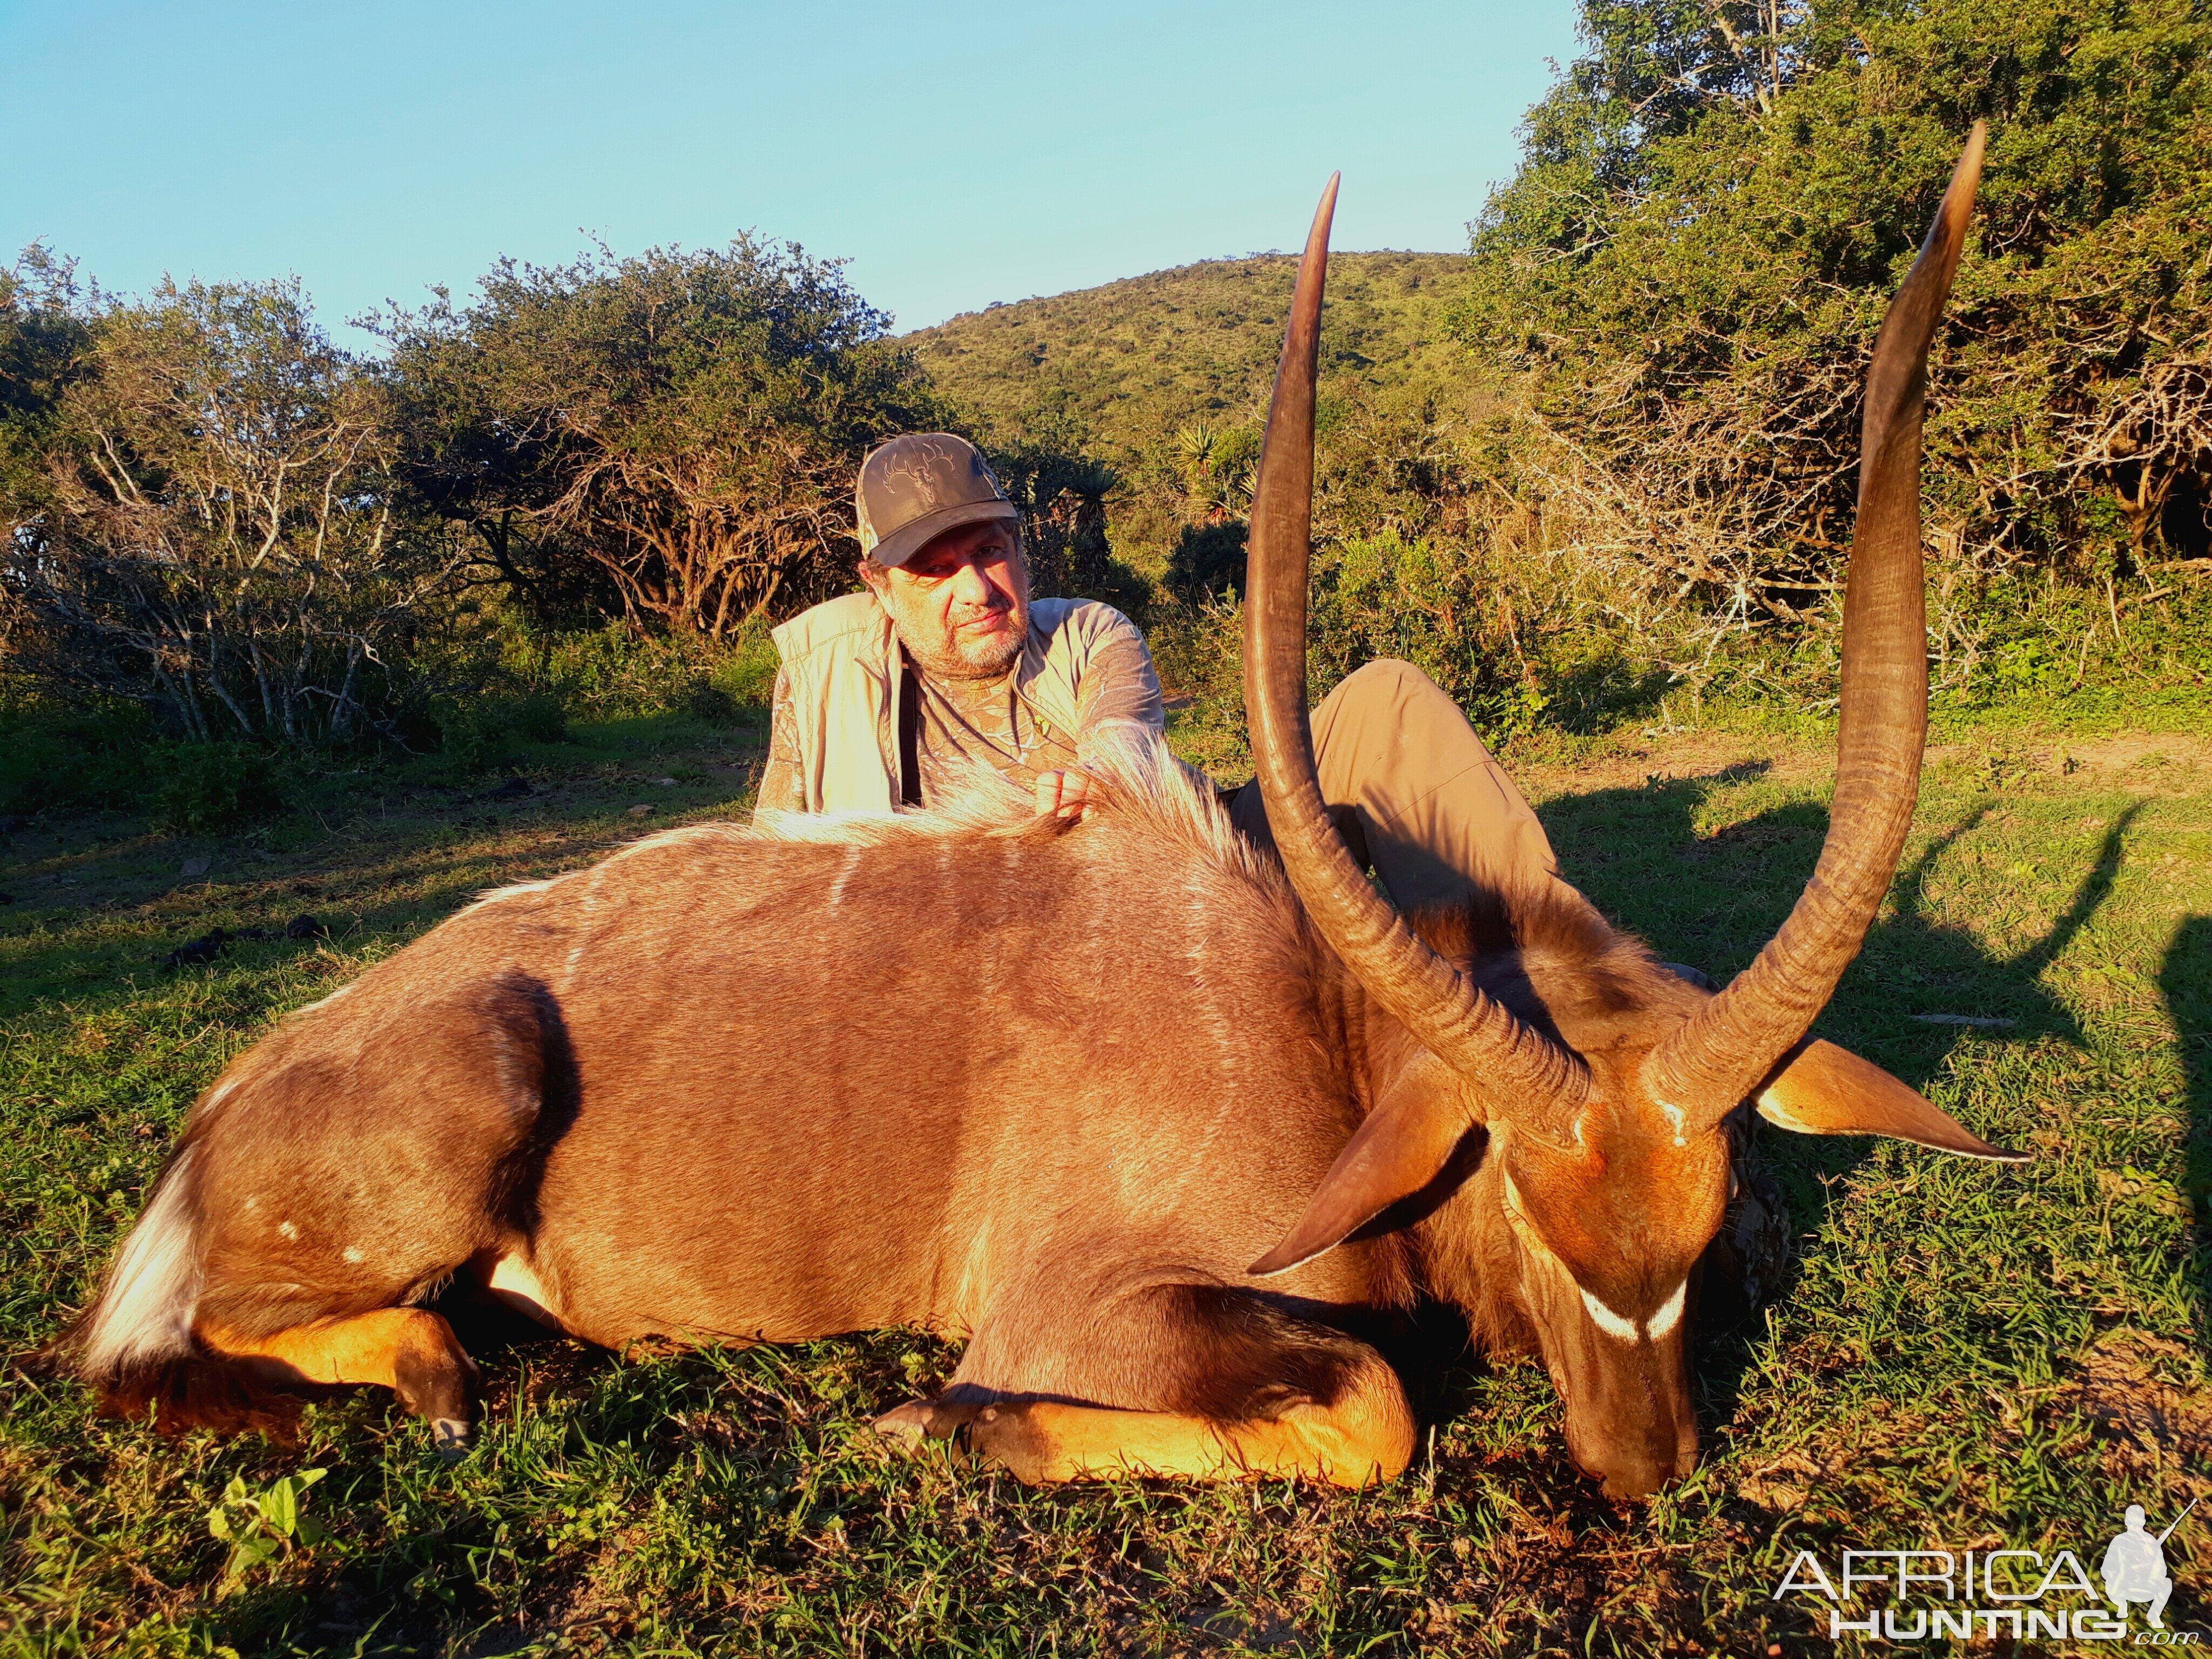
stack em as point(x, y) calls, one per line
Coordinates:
point(1826, 1091)
point(1406, 1145)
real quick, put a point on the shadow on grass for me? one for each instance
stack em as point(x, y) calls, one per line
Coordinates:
point(1714, 901)
point(2185, 977)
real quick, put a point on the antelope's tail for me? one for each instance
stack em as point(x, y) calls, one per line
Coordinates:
point(134, 1346)
point(143, 1317)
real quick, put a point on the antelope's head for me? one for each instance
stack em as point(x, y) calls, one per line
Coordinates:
point(1604, 1081)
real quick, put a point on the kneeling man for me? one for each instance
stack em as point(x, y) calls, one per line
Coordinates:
point(2134, 1568)
point(945, 659)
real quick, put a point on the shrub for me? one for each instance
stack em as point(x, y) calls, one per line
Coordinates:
point(538, 716)
point(613, 672)
point(684, 424)
point(710, 703)
point(619, 671)
point(52, 756)
point(212, 785)
point(745, 678)
point(1209, 560)
point(1713, 205)
point(747, 674)
point(207, 530)
point(480, 734)
point(1447, 614)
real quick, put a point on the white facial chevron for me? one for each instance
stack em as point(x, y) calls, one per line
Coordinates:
point(1663, 1319)
point(1668, 1315)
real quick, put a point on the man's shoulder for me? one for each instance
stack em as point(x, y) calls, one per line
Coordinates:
point(1078, 622)
point(829, 623)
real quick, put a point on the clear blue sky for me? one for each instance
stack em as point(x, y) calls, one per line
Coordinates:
point(956, 154)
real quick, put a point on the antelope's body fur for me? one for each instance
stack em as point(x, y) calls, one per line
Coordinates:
point(735, 1083)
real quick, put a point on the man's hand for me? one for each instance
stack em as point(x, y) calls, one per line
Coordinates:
point(1066, 793)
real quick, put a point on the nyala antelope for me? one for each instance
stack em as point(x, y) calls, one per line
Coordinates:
point(1166, 1130)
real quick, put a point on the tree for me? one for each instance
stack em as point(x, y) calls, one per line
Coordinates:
point(1715, 201)
point(43, 341)
point(210, 531)
point(684, 426)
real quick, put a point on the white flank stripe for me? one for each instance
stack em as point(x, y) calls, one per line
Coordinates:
point(844, 874)
point(342, 991)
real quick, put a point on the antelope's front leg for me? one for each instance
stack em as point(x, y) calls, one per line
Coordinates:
point(1364, 1435)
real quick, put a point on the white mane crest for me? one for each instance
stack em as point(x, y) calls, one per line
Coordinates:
point(980, 802)
point(1150, 785)
point(1143, 785)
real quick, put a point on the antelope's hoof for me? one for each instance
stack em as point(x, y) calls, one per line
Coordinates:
point(908, 1426)
point(449, 1437)
point(918, 1421)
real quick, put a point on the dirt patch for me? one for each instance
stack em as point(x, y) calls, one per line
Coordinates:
point(1719, 757)
point(2154, 763)
point(2136, 749)
point(2132, 1386)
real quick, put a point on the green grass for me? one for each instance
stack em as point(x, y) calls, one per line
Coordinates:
point(1965, 1355)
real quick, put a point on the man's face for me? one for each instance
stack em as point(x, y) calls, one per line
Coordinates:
point(961, 604)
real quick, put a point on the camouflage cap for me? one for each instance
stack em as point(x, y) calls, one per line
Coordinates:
point(914, 489)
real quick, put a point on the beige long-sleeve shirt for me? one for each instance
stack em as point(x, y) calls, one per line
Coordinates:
point(1083, 666)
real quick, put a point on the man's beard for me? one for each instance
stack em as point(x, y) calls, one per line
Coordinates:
point(954, 659)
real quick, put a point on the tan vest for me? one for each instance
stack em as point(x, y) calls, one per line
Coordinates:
point(840, 673)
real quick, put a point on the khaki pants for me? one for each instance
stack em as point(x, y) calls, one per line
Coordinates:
point(1437, 815)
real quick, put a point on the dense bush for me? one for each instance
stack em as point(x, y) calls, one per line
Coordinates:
point(488, 730)
point(1207, 560)
point(1714, 205)
point(44, 333)
point(619, 671)
point(214, 513)
point(199, 518)
point(676, 433)
point(70, 757)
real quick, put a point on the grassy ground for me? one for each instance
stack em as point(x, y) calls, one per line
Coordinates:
point(1964, 1355)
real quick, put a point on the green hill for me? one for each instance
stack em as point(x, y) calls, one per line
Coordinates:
point(1128, 362)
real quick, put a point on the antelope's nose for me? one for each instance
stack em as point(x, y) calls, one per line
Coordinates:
point(1644, 1464)
point(1640, 1481)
